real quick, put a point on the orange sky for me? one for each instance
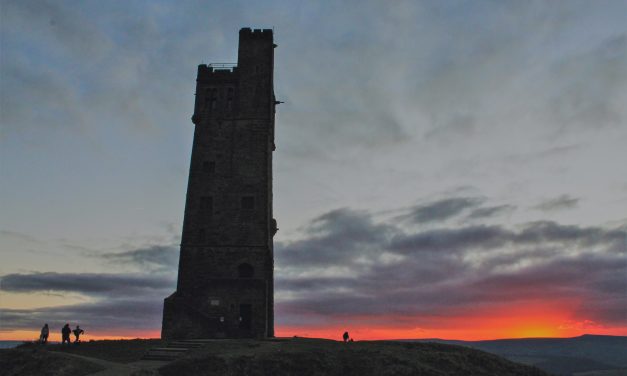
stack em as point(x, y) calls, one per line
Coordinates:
point(536, 319)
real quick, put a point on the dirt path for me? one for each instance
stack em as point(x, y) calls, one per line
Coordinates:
point(121, 369)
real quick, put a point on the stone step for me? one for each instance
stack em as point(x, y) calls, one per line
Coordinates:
point(186, 345)
point(174, 349)
point(159, 357)
point(164, 353)
point(201, 340)
point(170, 349)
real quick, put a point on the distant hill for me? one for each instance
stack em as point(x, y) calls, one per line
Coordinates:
point(561, 356)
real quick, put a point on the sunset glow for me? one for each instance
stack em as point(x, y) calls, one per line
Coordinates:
point(438, 169)
point(533, 321)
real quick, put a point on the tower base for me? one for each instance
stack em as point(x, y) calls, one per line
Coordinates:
point(218, 314)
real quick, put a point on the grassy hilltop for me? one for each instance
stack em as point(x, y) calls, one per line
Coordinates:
point(296, 356)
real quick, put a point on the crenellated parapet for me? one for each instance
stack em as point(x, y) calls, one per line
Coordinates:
point(248, 33)
point(217, 72)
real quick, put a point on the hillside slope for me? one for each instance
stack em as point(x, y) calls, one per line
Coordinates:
point(561, 356)
point(312, 357)
point(276, 357)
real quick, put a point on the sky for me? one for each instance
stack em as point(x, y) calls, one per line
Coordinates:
point(449, 169)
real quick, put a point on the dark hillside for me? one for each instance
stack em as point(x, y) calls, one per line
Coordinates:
point(37, 361)
point(312, 357)
point(276, 357)
point(562, 356)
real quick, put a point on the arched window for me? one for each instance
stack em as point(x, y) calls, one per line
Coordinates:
point(245, 271)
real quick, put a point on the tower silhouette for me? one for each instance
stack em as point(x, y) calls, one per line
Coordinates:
point(225, 278)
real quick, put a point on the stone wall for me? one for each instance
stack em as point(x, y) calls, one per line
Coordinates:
point(225, 283)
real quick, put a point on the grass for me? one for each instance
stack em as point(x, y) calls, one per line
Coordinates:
point(293, 356)
point(313, 357)
point(36, 360)
point(121, 351)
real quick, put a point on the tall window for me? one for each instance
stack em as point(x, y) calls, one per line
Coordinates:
point(211, 97)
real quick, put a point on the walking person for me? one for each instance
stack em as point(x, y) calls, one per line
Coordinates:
point(65, 334)
point(77, 333)
point(43, 337)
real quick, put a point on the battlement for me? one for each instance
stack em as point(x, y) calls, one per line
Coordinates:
point(222, 71)
point(248, 33)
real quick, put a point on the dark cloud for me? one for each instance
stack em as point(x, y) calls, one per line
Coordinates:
point(492, 211)
point(447, 271)
point(442, 209)
point(119, 303)
point(109, 285)
point(336, 237)
point(115, 316)
point(348, 263)
point(153, 258)
point(558, 203)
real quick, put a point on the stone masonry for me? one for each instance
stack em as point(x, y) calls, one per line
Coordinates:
point(225, 280)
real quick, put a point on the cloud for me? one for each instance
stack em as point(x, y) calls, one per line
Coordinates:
point(558, 203)
point(119, 303)
point(153, 258)
point(492, 211)
point(353, 263)
point(442, 209)
point(113, 317)
point(20, 236)
point(448, 270)
point(336, 237)
point(103, 285)
point(592, 86)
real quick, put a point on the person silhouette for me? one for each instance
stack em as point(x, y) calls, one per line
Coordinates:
point(65, 334)
point(345, 336)
point(45, 331)
point(77, 333)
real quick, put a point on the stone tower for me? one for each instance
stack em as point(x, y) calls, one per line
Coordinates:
point(225, 281)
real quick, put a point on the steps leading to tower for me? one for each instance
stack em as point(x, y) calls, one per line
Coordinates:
point(174, 350)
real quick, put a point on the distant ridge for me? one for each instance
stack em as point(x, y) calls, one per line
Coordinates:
point(9, 344)
point(560, 356)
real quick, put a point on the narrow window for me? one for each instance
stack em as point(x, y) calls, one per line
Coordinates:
point(211, 98)
point(248, 202)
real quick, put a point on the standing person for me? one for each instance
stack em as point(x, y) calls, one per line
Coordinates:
point(65, 334)
point(45, 331)
point(345, 336)
point(77, 333)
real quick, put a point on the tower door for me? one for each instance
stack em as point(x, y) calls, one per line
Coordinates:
point(246, 316)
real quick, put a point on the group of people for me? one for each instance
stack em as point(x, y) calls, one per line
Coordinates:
point(66, 331)
point(346, 337)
